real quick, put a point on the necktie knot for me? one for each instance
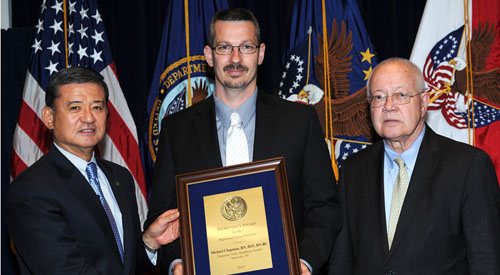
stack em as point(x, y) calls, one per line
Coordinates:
point(235, 120)
point(91, 170)
point(399, 161)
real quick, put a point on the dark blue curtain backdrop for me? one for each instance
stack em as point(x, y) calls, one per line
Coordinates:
point(134, 29)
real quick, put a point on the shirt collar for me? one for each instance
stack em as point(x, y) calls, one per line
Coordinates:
point(245, 111)
point(409, 156)
point(78, 162)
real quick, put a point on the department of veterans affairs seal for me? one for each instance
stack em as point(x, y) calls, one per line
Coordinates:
point(233, 208)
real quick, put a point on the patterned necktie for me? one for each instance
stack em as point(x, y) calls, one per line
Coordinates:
point(236, 145)
point(398, 197)
point(94, 182)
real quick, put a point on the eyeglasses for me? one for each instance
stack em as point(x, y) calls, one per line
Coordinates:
point(225, 49)
point(397, 98)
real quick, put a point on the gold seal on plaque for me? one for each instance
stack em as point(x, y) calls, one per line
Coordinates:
point(233, 208)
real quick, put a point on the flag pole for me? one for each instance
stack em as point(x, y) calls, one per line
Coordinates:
point(470, 82)
point(186, 21)
point(65, 32)
point(328, 98)
point(309, 32)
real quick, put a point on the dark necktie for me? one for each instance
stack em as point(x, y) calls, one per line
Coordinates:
point(94, 182)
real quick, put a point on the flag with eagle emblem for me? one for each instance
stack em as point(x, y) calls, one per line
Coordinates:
point(330, 77)
point(461, 67)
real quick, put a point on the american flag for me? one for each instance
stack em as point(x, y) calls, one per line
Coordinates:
point(71, 33)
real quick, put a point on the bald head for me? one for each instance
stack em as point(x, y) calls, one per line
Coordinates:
point(403, 64)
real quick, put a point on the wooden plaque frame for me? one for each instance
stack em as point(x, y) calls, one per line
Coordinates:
point(231, 178)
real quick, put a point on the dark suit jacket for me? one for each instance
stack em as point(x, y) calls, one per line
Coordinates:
point(59, 226)
point(449, 223)
point(189, 143)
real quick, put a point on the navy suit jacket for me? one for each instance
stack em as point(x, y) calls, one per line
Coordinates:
point(449, 223)
point(59, 226)
point(188, 143)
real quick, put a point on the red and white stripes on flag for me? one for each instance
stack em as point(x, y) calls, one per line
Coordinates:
point(74, 35)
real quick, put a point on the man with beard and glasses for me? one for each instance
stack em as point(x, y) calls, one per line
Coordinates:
point(196, 139)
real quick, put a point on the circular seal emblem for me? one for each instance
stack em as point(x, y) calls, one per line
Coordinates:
point(233, 208)
point(176, 92)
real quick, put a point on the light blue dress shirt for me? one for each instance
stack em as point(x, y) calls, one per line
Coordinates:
point(391, 170)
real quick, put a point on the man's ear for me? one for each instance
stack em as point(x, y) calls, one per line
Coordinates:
point(48, 117)
point(208, 55)
point(262, 50)
point(424, 102)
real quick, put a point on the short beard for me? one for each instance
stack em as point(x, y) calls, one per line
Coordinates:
point(237, 85)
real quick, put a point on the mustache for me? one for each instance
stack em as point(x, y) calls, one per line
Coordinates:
point(234, 66)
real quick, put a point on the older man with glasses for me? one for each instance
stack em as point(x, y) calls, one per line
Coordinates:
point(415, 202)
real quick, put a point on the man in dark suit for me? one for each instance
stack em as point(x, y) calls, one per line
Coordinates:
point(74, 213)
point(196, 138)
point(416, 202)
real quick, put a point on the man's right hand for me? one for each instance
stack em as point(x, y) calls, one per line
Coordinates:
point(164, 230)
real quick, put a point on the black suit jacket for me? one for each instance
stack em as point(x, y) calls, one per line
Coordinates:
point(59, 226)
point(449, 223)
point(188, 142)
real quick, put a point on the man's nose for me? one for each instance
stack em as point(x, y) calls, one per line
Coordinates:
point(389, 104)
point(236, 55)
point(88, 115)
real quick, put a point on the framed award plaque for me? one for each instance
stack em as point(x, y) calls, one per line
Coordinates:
point(237, 220)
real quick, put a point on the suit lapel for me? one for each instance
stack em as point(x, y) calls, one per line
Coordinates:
point(90, 201)
point(427, 160)
point(376, 185)
point(85, 196)
point(266, 122)
point(206, 133)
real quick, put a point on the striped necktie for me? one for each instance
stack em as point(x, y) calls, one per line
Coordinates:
point(94, 182)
